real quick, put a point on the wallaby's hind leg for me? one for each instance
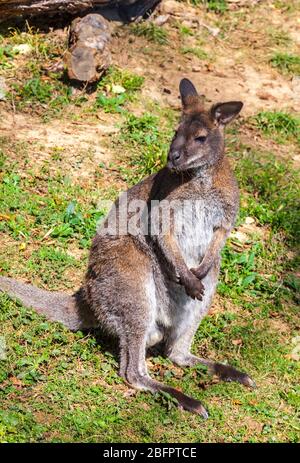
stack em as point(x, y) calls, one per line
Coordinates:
point(179, 353)
point(134, 370)
point(181, 336)
point(125, 303)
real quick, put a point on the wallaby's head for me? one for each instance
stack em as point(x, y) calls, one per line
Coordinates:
point(199, 138)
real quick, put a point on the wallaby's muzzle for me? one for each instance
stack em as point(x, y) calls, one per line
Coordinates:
point(174, 159)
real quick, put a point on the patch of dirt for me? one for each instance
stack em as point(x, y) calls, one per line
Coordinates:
point(279, 326)
point(252, 138)
point(253, 426)
point(231, 70)
point(44, 418)
point(244, 235)
point(226, 79)
point(73, 278)
point(79, 144)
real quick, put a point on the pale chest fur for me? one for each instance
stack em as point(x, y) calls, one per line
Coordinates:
point(195, 223)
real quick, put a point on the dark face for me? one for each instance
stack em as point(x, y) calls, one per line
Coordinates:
point(199, 139)
point(197, 142)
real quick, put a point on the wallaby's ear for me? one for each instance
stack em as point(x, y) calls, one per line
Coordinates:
point(188, 92)
point(223, 113)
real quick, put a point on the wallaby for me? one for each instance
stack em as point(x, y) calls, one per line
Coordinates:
point(154, 288)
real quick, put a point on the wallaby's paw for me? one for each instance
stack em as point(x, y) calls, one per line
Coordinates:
point(194, 288)
point(228, 373)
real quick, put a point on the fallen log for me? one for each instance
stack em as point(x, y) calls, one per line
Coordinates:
point(88, 54)
point(16, 8)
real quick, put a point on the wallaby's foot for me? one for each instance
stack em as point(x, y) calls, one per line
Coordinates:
point(224, 372)
point(134, 370)
point(188, 403)
point(229, 373)
point(193, 286)
point(184, 401)
point(144, 382)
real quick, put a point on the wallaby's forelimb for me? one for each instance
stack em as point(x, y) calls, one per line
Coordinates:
point(171, 252)
point(212, 253)
point(70, 310)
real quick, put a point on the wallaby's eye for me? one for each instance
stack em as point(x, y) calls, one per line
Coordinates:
point(200, 139)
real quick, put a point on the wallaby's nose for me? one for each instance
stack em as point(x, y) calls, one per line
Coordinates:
point(174, 156)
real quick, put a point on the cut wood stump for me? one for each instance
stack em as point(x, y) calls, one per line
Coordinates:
point(88, 55)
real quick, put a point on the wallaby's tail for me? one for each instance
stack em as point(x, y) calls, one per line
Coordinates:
point(70, 310)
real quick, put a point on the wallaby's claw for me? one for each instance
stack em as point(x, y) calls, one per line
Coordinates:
point(202, 412)
point(198, 409)
point(243, 379)
point(247, 381)
point(193, 287)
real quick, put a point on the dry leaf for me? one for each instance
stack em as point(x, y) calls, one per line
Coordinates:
point(16, 381)
point(237, 402)
point(4, 217)
point(253, 402)
point(237, 342)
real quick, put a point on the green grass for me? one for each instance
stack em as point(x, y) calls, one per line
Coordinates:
point(122, 77)
point(216, 6)
point(147, 140)
point(278, 37)
point(196, 51)
point(184, 31)
point(37, 92)
point(31, 87)
point(41, 44)
point(276, 186)
point(280, 125)
point(151, 32)
point(116, 88)
point(284, 6)
point(6, 56)
point(285, 63)
point(51, 94)
point(61, 213)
